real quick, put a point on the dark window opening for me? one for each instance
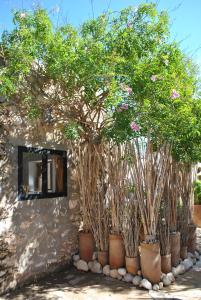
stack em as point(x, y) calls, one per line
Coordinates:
point(42, 173)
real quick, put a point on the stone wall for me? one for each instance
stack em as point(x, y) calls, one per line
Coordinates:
point(36, 236)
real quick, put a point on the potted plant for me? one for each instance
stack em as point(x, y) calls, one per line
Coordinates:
point(164, 230)
point(197, 203)
point(174, 196)
point(149, 175)
point(130, 232)
point(184, 206)
point(91, 158)
point(117, 172)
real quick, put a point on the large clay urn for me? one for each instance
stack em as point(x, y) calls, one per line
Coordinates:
point(116, 251)
point(151, 261)
point(86, 246)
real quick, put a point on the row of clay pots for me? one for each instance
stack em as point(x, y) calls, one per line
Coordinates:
point(150, 260)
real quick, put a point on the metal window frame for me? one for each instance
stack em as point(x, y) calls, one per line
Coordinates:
point(45, 153)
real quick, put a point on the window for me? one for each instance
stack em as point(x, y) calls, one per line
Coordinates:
point(42, 173)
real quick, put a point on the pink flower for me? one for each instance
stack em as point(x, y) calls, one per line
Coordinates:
point(154, 78)
point(124, 106)
point(129, 90)
point(22, 15)
point(175, 94)
point(134, 126)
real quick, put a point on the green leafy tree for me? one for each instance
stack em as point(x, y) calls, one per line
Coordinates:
point(117, 76)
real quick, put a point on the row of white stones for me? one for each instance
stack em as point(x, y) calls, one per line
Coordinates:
point(137, 280)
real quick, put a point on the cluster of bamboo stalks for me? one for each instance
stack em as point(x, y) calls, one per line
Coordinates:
point(124, 187)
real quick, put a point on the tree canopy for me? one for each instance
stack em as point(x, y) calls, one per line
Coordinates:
point(118, 76)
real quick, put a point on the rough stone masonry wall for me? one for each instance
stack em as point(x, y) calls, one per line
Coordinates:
point(36, 236)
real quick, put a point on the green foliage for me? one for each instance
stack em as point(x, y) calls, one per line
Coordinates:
point(197, 192)
point(117, 59)
point(71, 131)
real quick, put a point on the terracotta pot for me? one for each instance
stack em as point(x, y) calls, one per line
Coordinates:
point(166, 265)
point(184, 252)
point(151, 261)
point(116, 251)
point(103, 258)
point(86, 246)
point(197, 215)
point(175, 248)
point(191, 238)
point(132, 264)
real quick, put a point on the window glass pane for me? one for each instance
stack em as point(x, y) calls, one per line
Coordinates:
point(32, 173)
point(55, 174)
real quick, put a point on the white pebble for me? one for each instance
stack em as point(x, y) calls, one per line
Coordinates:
point(187, 263)
point(96, 267)
point(190, 255)
point(137, 280)
point(128, 278)
point(122, 271)
point(166, 281)
point(90, 263)
point(160, 285)
point(82, 265)
point(76, 257)
point(180, 269)
point(156, 287)
point(171, 276)
point(146, 284)
point(106, 270)
point(114, 274)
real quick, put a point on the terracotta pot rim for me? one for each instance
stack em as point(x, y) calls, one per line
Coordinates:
point(132, 256)
point(115, 234)
point(175, 233)
point(166, 255)
point(150, 243)
point(84, 232)
point(111, 236)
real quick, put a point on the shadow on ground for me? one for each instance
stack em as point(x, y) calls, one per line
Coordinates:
point(74, 285)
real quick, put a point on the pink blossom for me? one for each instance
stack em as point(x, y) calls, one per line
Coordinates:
point(124, 106)
point(154, 78)
point(134, 126)
point(175, 94)
point(129, 90)
point(22, 15)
